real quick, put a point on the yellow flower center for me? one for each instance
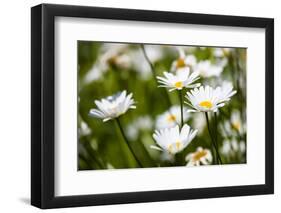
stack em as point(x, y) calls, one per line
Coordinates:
point(236, 125)
point(171, 118)
point(180, 63)
point(178, 85)
point(206, 104)
point(112, 61)
point(178, 145)
point(198, 155)
point(170, 148)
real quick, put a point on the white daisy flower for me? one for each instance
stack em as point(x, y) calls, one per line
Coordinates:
point(171, 118)
point(199, 157)
point(179, 80)
point(113, 106)
point(205, 99)
point(207, 69)
point(226, 91)
point(183, 61)
point(173, 140)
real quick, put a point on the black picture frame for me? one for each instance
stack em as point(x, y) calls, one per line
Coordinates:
point(43, 102)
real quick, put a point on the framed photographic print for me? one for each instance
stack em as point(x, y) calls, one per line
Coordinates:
point(140, 106)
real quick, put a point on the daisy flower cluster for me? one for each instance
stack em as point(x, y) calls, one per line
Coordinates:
point(184, 75)
point(113, 106)
point(157, 105)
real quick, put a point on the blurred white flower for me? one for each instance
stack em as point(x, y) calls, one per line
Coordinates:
point(221, 52)
point(236, 121)
point(122, 61)
point(222, 62)
point(234, 125)
point(218, 52)
point(199, 157)
point(199, 122)
point(142, 123)
point(140, 64)
point(154, 52)
point(205, 99)
point(132, 132)
point(231, 147)
point(95, 73)
point(109, 166)
point(171, 118)
point(207, 69)
point(183, 61)
point(113, 106)
point(115, 55)
point(110, 55)
point(84, 128)
point(173, 140)
point(179, 80)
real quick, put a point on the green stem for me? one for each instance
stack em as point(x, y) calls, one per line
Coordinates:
point(212, 147)
point(93, 155)
point(149, 62)
point(212, 139)
point(86, 161)
point(127, 142)
point(216, 138)
point(181, 102)
point(146, 153)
